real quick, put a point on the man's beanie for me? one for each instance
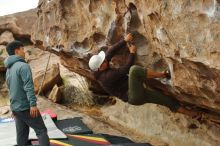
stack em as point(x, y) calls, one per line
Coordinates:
point(12, 46)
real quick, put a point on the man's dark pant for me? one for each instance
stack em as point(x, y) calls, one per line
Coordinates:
point(138, 95)
point(23, 121)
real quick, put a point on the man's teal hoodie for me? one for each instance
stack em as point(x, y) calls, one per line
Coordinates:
point(20, 83)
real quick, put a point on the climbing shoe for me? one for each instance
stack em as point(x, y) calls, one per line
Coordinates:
point(167, 74)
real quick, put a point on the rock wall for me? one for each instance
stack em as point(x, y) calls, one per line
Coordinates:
point(160, 127)
point(17, 26)
point(182, 35)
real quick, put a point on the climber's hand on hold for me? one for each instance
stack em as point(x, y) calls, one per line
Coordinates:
point(132, 48)
point(167, 74)
point(128, 37)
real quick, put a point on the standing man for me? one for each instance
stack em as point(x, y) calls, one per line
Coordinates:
point(22, 96)
point(127, 82)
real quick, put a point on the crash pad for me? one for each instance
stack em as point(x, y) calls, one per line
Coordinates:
point(52, 130)
point(7, 132)
point(6, 120)
point(79, 140)
point(116, 139)
point(50, 112)
point(73, 126)
point(131, 144)
point(122, 141)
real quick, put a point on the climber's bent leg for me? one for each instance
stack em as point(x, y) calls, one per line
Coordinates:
point(157, 97)
point(138, 95)
point(136, 90)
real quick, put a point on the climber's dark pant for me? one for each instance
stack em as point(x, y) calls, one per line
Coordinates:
point(138, 94)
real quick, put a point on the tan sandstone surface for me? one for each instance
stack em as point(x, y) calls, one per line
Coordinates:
point(180, 34)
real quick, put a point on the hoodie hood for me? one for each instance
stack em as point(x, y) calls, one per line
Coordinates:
point(9, 61)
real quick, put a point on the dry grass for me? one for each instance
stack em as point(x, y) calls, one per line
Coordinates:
point(78, 94)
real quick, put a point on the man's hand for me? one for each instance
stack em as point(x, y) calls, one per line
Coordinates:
point(132, 49)
point(12, 115)
point(128, 37)
point(34, 112)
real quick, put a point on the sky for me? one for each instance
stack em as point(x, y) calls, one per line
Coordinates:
point(14, 6)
